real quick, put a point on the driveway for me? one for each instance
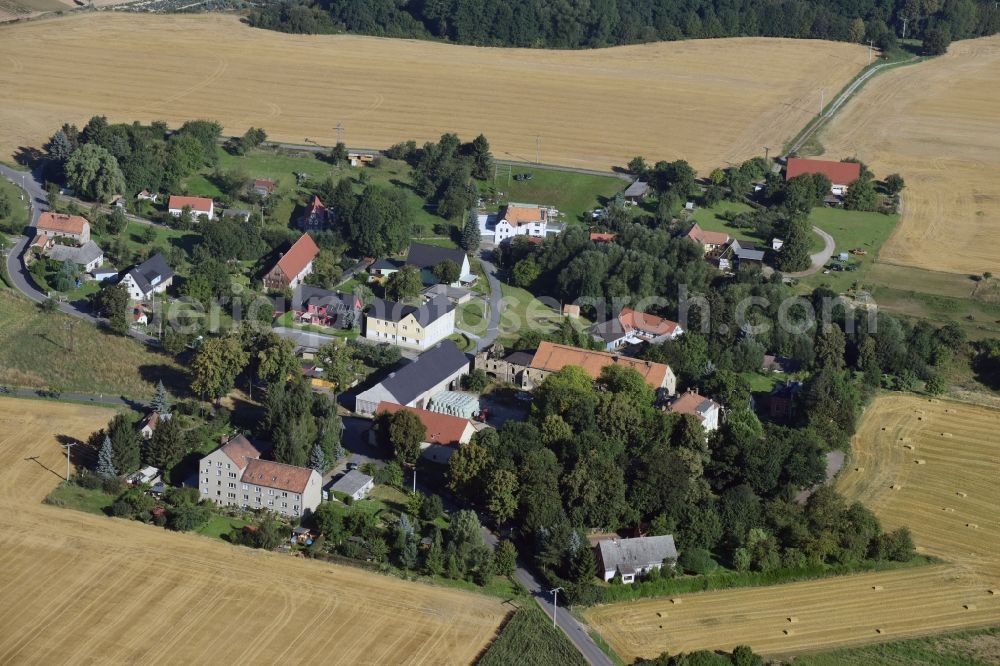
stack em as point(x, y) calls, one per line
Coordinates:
point(493, 327)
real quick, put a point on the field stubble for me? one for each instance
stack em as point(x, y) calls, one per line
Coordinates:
point(706, 101)
point(79, 587)
point(949, 502)
point(936, 124)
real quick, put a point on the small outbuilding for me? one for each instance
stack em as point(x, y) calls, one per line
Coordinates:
point(354, 484)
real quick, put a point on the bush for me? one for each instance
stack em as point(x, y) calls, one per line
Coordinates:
point(186, 517)
point(477, 380)
point(112, 485)
point(697, 561)
point(87, 479)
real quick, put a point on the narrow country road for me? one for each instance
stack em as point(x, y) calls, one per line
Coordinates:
point(496, 295)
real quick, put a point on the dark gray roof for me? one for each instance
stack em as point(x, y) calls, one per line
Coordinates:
point(519, 358)
point(425, 314)
point(307, 295)
point(609, 331)
point(430, 369)
point(351, 482)
point(627, 555)
point(82, 255)
point(429, 256)
point(385, 265)
point(636, 189)
point(151, 272)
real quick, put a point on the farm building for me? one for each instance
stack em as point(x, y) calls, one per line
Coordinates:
point(293, 266)
point(413, 384)
point(51, 225)
point(354, 484)
point(425, 257)
point(636, 192)
point(631, 327)
point(710, 241)
point(445, 433)
point(198, 206)
point(629, 558)
point(506, 367)
point(518, 219)
point(841, 174)
point(550, 357)
point(263, 187)
point(88, 256)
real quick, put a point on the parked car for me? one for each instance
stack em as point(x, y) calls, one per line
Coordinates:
point(351, 466)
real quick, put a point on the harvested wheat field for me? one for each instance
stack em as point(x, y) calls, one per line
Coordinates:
point(949, 502)
point(708, 102)
point(79, 588)
point(936, 123)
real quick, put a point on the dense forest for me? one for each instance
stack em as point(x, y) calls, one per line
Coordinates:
point(598, 23)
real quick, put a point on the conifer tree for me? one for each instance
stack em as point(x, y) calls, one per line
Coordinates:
point(106, 460)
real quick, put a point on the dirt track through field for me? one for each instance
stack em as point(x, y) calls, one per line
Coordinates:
point(949, 501)
point(709, 102)
point(938, 125)
point(80, 588)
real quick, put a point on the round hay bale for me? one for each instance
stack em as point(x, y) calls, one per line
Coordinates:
point(879, 631)
point(793, 620)
point(972, 525)
point(991, 592)
point(946, 435)
point(909, 446)
point(675, 600)
point(877, 588)
point(659, 614)
point(961, 494)
point(969, 606)
point(787, 632)
point(948, 509)
point(895, 486)
point(920, 461)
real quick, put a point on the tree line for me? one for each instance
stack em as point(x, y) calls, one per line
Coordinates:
point(566, 24)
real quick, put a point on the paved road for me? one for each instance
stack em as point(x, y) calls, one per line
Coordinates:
point(109, 400)
point(493, 328)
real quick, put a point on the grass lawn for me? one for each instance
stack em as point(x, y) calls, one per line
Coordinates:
point(967, 648)
point(521, 311)
point(851, 229)
point(574, 194)
point(73, 496)
point(18, 217)
point(288, 321)
point(470, 317)
point(57, 351)
point(463, 342)
point(220, 526)
point(530, 632)
point(709, 220)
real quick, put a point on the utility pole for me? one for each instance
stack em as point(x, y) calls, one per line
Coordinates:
point(414, 477)
point(766, 150)
point(555, 605)
point(822, 102)
point(871, 46)
point(69, 448)
point(340, 129)
point(538, 141)
point(905, 19)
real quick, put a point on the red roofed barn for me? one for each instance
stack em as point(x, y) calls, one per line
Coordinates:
point(445, 433)
point(293, 266)
point(841, 174)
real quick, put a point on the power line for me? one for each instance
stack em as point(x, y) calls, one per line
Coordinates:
point(555, 605)
point(69, 448)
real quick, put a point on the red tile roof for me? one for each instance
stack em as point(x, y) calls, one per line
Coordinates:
point(315, 206)
point(602, 238)
point(642, 321)
point(442, 429)
point(699, 235)
point(518, 214)
point(277, 475)
point(264, 184)
point(553, 358)
point(197, 204)
point(298, 256)
point(839, 173)
point(62, 224)
point(239, 449)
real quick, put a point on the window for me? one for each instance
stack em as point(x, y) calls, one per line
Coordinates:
point(228, 466)
point(258, 500)
point(204, 491)
point(219, 464)
point(232, 475)
point(206, 479)
point(246, 497)
point(284, 505)
point(218, 493)
point(297, 497)
point(284, 494)
point(296, 507)
point(232, 485)
point(232, 495)
point(270, 502)
point(270, 491)
point(246, 487)
point(258, 488)
point(218, 472)
point(218, 483)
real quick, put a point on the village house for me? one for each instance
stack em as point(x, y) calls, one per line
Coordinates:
point(58, 225)
point(444, 435)
point(104, 272)
point(315, 217)
point(313, 305)
point(457, 295)
point(413, 384)
point(630, 558)
point(383, 268)
point(781, 402)
point(710, 241)
point(740, 254)
point(354, 484)
point(152, 276)
point(631, 327)
point(706, 410)
point(425, 257)
point(88, 256)
point(263, 187)
point(550, 357)
point(598, 237)
point(234, 475)
point(841, 174)
point(635, 192)
point(293, 266)
point(359, 157)
point(241, 214)
point(148, 425)
point(518, 219)
point(146, 195)
point(198, 206)
point(410, 326)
